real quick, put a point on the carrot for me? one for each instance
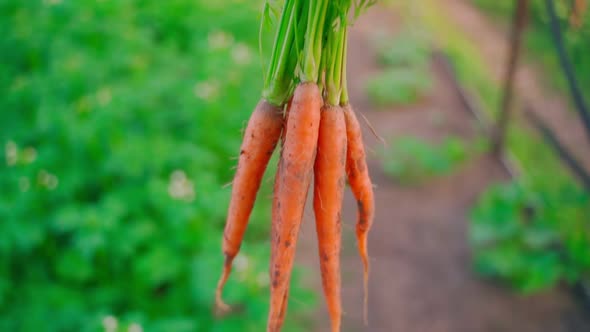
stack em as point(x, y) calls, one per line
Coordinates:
point(275, 200)
point(309, 55)
point(329, 182)
point(260, 139)
point(362, 189)
point(293, 179)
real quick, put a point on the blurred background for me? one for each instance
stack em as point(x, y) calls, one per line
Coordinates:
point(120, 122)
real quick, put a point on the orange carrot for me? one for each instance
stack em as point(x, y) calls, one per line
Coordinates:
point(260, 139)
point(362, 188)
point(329, 182)
point(275, 200)
point(293, 179)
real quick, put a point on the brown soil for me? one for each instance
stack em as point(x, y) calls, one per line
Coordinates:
point(421, 278)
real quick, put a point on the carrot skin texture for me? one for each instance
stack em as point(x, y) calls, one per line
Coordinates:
point(329, 182)
point(360, 184)
point(260, 139)
point(275, 199)
point(291, 186)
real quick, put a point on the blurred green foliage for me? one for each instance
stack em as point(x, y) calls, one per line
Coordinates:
point(406, 74)
point(539, 42)
point(532, 239)
point(533, 233)
point(412, 160)
point(117, 126)
point(411, 47)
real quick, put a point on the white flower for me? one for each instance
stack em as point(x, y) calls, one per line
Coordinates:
point(241, 263)
point(110, 323)
point(263, 279)
point(134, 327)
point(180, 187)
point(207, 90)
point(241, 54)
point(11, 153)
point(178, 175)
point(219, 39)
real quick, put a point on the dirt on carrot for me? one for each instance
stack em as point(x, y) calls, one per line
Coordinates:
point(362, 189)
point(260, 139)
point(293, 180)
point(329, 182)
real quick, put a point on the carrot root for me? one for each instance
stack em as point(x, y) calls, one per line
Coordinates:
point(329, 182)
point(222, 308)
point(260, 139)
point(291, 185)
point(362, 188)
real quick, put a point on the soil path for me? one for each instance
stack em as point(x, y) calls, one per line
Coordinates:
point(421, 278)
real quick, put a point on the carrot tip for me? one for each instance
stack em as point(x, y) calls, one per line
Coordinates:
point(221, 308)
point(362, 243)
point(366, 298)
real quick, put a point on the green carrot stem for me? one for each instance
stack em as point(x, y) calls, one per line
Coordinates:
point(320, 31)
point(280, 70)
point(344, 94)
point(336, 84)
point(279, 40)
point(313, 40)
point(336, 46)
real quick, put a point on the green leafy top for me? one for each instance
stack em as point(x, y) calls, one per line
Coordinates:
point(309, 46)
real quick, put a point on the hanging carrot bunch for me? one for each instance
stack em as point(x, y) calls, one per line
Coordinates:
point(305, 106)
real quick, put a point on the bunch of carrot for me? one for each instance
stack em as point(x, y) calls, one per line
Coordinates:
point(305, 106)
